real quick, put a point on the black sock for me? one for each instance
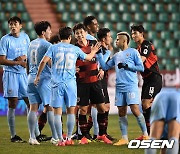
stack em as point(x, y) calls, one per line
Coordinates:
point(42, 121)
point(83, 124)
point(101, 122)
point(146, 114)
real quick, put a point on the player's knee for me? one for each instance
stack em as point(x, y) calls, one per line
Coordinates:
point(146, 103)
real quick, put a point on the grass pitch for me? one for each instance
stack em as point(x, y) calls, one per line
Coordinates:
point(47, 148)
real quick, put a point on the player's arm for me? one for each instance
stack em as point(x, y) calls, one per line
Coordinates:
point(5, 61)
point(40, 68)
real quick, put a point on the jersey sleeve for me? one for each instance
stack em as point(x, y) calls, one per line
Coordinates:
point(49, 52)
point(80, 54)
point(145, 49)
point(104, 65)
point(3, 47)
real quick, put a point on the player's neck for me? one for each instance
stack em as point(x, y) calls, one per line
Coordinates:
point(140, 42)
point(15, 34)
point(124, 47)
point(65, 41)
point(104, 45)
point(91, 33)
point(83, 42)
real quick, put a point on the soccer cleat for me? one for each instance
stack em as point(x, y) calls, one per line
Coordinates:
point(84, 140)
point(54, 141)
point(17, 139)
point(104, 139)
point(64, 136)
point(69, 142)
point(33, 142)
point(42, 137)
point(110, 137)
point(121, 142)
point(61, 143)
point(142, 137)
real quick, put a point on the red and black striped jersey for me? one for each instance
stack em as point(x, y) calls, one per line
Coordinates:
point(147, 50)
point(88, 69)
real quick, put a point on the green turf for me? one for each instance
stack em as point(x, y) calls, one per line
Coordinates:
point(46, 148)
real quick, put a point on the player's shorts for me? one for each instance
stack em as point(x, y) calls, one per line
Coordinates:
point(166, 106)
point(90, 92)
point(127, 98)
point(64, 93)
point(105, 92)
point(152, 86)
point(14, 84)
point(40, 93)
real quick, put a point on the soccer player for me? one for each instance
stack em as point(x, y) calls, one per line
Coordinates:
point(13, 52)
point(40, 93)
point(64, 89)
point(127, 62)
point(89, 87)
point(165, 116)
point(152, 78)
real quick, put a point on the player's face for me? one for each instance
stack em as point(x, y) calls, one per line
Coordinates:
point(136, 36)
point(48, 33)
point(108, 39)
point(80, 34)
point(94, 26)
point(119, 41)
point(15, 27)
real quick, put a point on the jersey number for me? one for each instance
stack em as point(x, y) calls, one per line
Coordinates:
point(64, 61)
point(34, 56)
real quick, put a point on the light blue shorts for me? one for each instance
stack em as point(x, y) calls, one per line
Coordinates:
point(127, 98)
point(166, 106)
point(40, 93)
point(14, 84)
point(64, 93)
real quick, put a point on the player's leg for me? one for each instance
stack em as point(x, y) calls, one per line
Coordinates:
point(42, 120)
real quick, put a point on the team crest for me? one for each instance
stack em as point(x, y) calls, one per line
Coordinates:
point(10, 91)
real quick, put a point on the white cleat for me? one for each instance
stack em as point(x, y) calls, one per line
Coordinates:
point(54, 141)
point(33, 142)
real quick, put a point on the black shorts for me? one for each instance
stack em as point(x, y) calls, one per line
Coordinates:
point(105, 92)
point(89, 92)
point(152, 86)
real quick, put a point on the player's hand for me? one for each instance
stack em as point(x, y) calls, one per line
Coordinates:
point(123, 65)
point(20, 58)
point(22, 63)
point(36, 80)
point(95, 48)
point(100, 74)
point(77, 69)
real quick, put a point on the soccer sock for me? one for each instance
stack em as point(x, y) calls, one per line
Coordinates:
point(42, 121)
point(94, 119)
point(58, 126)
point(149, 150)
point(101, 122)
point(123, 124)
point(89, 123)
point(50, 119)
point(37, 132)
point(142, 124)
point(62, 124)
point(106, 121)
point(70, 124)
point(11, 121)
point(77, 122)
point(32, 122)
point(175, 148)
point(146, 114)
point(83, 124)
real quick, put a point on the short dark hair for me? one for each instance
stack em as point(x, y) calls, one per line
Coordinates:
point(14, 19)
point(55, 39)
point(126, 34)
point(79, 26)
point(138, 28)
point(88, 20)
point(41, 26)
point(102, 33)
point(65, 32)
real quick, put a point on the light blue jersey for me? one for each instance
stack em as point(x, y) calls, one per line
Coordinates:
point(90, 37)
point(13, 47)
point(64, 56)
point(126, 80)
point(37, 50)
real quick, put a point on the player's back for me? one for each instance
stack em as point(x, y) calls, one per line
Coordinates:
point(37, 50)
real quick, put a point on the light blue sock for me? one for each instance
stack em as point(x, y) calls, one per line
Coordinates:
point(37, 132)
point(50, 119)
point(32, 119)
point(94, 119)
point(58, 126)
point(175, 148)
point(123, 123)
point(70, 124)
point(11, 121)
point(142, 124)
point(151, 151)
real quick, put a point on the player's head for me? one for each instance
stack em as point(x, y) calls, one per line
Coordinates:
point(65, 33)
point(137, 32)
point(15, 25)
point(80, 31)
point(54, 39)
point(91, 24)
point(43, 28)
point(122, 40)
point(104, 35)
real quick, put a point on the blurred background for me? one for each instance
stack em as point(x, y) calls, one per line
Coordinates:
point(160, 18)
